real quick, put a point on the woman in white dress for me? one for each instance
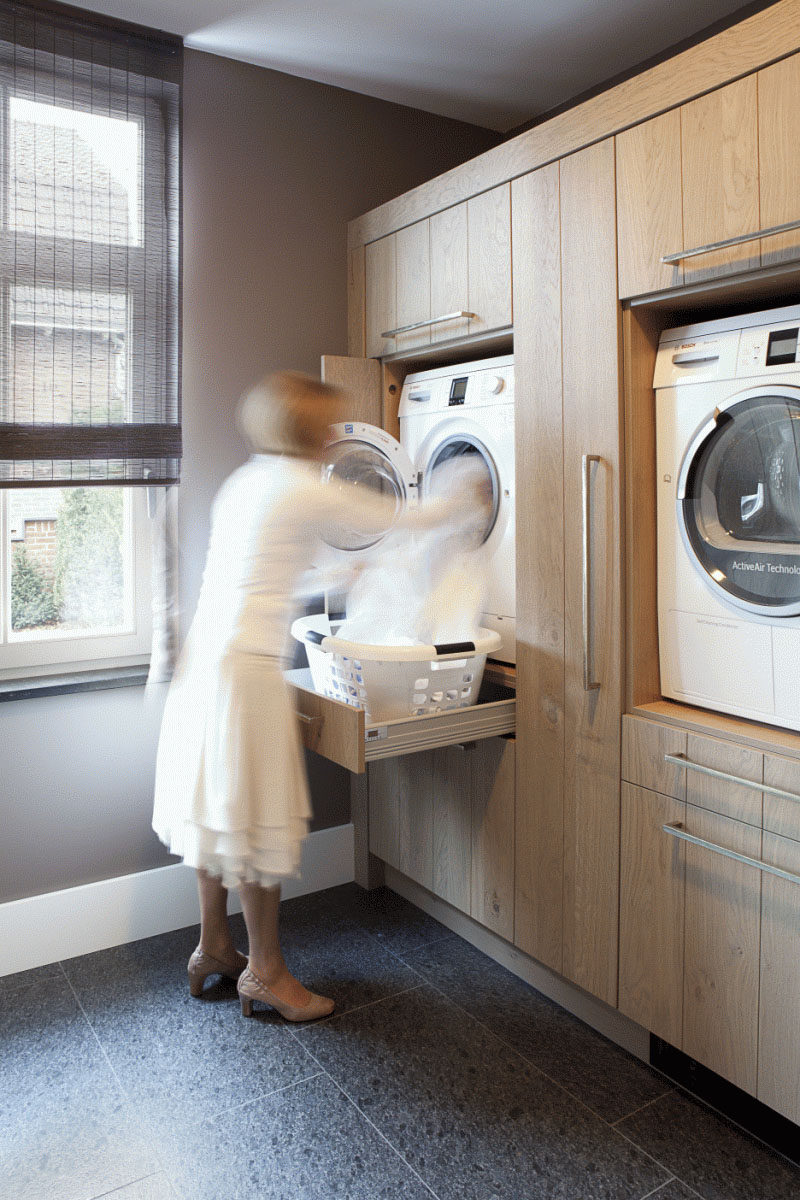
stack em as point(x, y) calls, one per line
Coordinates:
point(231, 796)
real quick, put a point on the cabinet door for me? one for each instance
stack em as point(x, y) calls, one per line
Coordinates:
point(492, 834)
point(380, 300)
point(413, 254)
point(451, 824)
point(489, 232)
point(401, 814)
point(360, 380)
point(449, 272)
point(721, 965)
point(719, 135)
point(592, 578)
point(651, 913)
point(779, 1012)
point(649, 204)
point(539, 845)
point(779, 157)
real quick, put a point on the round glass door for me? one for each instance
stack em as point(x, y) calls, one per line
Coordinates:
point(441, 471)
point(739, 503)
point(357, 464)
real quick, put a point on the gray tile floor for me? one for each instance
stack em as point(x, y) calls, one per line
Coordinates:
point(439, 1075)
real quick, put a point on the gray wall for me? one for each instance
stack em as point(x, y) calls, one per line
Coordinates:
point(274, 167)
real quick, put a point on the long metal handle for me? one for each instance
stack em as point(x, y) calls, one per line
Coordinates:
point(680, 760)
point(680, 255)
point(677, 831)
point(589, 685)
point(423, 324)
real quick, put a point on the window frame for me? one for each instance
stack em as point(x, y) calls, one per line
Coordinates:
point(50, 654)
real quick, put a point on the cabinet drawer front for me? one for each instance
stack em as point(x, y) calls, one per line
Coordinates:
point(651, 913)
point(644, 744)
point(720, 793)
point(332, 729)
point(782, 813)
point(723, 899)
point(779, 1015)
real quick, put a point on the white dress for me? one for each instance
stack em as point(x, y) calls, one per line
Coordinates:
point(230, 791)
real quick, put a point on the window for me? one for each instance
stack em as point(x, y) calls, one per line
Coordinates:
point(89, 397)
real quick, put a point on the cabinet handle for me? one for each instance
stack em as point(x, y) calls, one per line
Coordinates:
point(680, 760)
point(589, 685)
point(677, 831)
point(680, 255)
point(305, 718)
point(389, 333)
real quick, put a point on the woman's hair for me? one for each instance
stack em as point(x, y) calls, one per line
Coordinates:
point(287, 413)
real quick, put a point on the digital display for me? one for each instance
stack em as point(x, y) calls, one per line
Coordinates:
point(458, 390)
point(782, 347)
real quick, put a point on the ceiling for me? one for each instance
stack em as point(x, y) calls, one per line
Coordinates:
point(496, 63)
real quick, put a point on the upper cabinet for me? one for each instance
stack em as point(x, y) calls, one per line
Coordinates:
point(446, 277)
point(720, 169)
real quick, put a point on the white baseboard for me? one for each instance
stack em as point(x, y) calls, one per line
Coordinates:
point(79, 920)
point(608, 1021)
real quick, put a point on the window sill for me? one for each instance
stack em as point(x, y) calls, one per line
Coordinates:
point(73, 681)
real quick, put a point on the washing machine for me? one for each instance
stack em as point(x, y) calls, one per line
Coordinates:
point(445, 413)
point(728, 514)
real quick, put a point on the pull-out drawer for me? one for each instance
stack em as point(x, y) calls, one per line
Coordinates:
point(339, 732)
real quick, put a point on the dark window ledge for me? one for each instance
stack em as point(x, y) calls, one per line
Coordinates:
point(73, 681)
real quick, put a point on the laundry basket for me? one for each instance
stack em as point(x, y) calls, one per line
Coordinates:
point(394, 681)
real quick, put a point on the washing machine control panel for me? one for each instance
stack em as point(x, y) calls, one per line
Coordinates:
point(487, 382)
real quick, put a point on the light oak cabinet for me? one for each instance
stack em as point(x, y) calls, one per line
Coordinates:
point(721, 167)
point(457, 261)
point(569, 692)
point(708, 933)
point(445, 818)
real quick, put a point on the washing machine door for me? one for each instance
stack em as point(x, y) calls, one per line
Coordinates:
point(442, 449)
point(739, 501)
point(370, 460)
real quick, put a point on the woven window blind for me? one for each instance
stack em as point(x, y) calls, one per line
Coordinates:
point(89, 250)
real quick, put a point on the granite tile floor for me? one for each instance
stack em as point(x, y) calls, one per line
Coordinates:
point(439, 1075)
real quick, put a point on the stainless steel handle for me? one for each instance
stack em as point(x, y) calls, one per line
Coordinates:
point(305, 718)
point(388, 333)
point(677, 831)
point(680, 255)
point(589, 685)
point(680, 760)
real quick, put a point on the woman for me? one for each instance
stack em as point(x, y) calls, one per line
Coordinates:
point(231, 796)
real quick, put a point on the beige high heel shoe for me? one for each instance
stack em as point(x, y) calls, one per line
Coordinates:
point(201, 965)
point(251, 988)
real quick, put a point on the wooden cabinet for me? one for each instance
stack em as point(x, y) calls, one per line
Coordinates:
point(445, 818)
point(457, 261)
point(568, 568)
point(708, 932)
point(721, 167)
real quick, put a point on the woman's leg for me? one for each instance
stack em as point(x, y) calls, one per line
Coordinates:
point(215, 934)
point(260, 908)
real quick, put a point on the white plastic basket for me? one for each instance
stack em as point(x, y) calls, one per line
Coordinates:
point(394, 681)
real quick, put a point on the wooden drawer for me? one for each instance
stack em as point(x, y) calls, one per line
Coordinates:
point(779, 1005)
point(644, 745)
point(651, 926)
point(725, 778)
point(782, 812)
point(721, 957)
point(340, 733)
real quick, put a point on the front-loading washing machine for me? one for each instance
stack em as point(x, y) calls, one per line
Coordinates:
point(445, 413)
point(728, 514)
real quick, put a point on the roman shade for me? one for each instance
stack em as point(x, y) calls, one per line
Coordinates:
point(89, 250)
